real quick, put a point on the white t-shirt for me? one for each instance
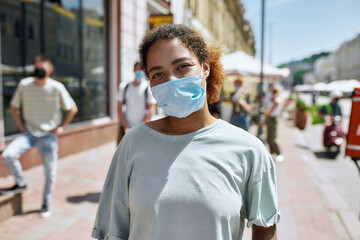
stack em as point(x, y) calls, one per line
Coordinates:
point(196, 186)
point(277, 111)
point(41, 106)
point(135, 108)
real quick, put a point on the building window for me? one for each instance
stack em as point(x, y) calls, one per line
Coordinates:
point(30, 31)
point(17, 28)
point(3, 24)
point(62, 35)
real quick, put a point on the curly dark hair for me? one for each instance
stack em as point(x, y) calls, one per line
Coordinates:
point(196, 44)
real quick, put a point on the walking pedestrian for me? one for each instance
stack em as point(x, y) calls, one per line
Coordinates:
point(138, 99)
point(271, 120)
point(188, 175)
point(314, 96)
point(241, 106)
point(334, 104)
point(39, 100)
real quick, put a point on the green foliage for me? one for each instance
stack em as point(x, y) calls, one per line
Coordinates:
point(301, 105)
point(299, 76)
point(298, 80)
point(314, 57)
point(310, 59)
point(284, 65)
point(316, 117)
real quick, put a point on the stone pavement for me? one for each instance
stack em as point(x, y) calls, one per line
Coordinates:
point(311, 208)
point(79, 182)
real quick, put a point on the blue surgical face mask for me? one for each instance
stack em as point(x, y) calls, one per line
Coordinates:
point(139, 75)
point(180, 97)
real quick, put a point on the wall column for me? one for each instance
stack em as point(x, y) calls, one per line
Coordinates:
point(2, 133)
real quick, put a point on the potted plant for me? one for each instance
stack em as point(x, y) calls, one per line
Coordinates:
point(300, 119)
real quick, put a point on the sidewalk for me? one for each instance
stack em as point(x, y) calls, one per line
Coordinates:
point(311, 208)
point(79, 182)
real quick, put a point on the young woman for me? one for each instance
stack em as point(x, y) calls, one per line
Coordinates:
point(188, 176)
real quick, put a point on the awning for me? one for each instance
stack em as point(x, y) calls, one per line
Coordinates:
point(240, 63)
point(345, 86)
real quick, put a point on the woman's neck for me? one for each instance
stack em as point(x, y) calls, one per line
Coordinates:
point(178, 126)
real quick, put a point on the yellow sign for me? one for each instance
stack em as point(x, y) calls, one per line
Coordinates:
point(158, 20)
point(94, 22)
point(63, 11)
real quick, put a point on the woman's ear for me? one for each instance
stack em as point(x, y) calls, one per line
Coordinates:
point(206, 68)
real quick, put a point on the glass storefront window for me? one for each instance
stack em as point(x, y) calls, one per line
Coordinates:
point(72, 33)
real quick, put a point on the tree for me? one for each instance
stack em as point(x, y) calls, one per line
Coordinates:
point(298, 76)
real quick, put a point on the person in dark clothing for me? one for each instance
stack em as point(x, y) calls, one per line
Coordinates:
point(335, 106)
point(215, 108)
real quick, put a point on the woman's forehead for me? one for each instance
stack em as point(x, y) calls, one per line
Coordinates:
point(167, 50)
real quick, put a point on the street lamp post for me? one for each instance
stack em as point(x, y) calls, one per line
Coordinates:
point(261, 135)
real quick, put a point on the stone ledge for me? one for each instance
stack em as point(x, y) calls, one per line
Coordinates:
point(10, 205)
point(72, 141)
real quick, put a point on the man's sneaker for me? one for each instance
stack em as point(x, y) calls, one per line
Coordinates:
point(13, 190)
point(45, 212)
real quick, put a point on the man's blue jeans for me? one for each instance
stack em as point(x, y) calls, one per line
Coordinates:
point(48, 147)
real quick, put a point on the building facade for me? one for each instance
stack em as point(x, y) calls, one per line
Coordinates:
point(94, 45)
point(221, 21)
point(325, 68)
point(348, 59)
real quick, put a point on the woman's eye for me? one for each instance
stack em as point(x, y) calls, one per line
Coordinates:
point(183, 66)
point(157, 75)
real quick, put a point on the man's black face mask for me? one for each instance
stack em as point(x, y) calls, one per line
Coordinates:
point(39, 73)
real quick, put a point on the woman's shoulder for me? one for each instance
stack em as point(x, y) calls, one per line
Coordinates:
point(137, 130)
point(245, 143)
point(236, 132)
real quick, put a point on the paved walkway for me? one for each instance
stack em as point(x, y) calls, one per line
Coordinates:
point(311, 207)
point(74, 205)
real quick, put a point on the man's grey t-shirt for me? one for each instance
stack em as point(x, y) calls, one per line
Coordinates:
point(41, 106)
point(197, 186)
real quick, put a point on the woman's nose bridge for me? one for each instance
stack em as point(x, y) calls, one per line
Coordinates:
point(171, 76)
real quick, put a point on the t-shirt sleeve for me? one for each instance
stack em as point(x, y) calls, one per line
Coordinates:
point(261, 199)
point(16, 99)
point(66, 100)
point(113, 215)
point(150, 98)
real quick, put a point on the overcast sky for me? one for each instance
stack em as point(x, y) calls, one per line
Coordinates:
point(301, 28)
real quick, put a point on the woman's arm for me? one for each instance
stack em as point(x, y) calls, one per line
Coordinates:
point(269, 112)
point(245, 105)
point(264, 233)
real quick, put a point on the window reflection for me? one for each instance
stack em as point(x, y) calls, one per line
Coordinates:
point(72, 33)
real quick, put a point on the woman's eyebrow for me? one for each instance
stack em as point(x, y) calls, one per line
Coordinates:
point(172, 63)
point(179, 60)
point(155, 68)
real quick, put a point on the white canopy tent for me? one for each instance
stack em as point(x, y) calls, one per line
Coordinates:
point(240, 63)
point(345, 86)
